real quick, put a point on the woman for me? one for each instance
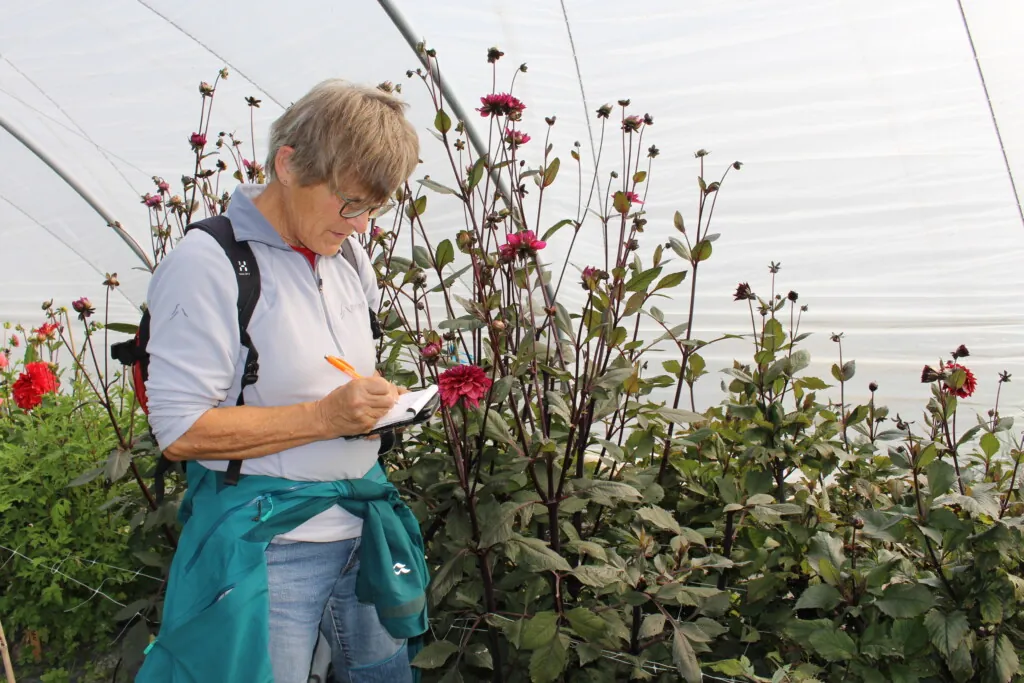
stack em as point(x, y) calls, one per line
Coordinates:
point(284, 546)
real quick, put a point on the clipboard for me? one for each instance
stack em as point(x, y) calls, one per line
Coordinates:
point(411, 408)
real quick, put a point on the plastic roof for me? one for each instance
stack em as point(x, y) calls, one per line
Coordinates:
point(873, 171)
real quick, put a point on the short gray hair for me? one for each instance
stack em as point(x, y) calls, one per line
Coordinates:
point(342, 133)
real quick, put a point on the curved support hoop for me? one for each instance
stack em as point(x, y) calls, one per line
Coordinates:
point(82, 192)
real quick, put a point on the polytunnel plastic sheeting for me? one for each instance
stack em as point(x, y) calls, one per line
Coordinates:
point(872, 168)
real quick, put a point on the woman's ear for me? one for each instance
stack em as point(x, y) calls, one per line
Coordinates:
point(282, 164)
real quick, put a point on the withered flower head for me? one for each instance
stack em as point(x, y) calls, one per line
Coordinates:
point(929, 375)
point(623, 103)
point(737, 165)
point(837, 337)
point(961, 352)
point(653, 151)
point(700, 153)
point(792, 296)
point(604, 111)
point(494, 54)
point(743, 292)
point(550, 120)
point(774, 267)
point(253, 102)
point(648, 120)
point(111, 281)
point(1004, 376)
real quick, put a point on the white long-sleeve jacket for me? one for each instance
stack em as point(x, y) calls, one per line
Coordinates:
point(303, 314)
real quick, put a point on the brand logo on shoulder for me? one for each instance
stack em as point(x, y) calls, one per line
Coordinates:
point(243, 267)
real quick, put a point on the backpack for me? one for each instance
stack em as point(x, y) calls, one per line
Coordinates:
point(132, 353)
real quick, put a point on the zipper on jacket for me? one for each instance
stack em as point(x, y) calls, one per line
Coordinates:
point(323, 304)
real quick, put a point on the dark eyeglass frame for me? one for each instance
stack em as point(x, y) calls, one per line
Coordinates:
point(374, 211)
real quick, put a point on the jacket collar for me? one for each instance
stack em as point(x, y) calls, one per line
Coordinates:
point(248, 223)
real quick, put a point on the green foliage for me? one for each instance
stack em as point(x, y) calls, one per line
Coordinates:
point(78, 530)
point(587, 521)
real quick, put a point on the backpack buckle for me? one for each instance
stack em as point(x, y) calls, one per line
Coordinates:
point(251, 373)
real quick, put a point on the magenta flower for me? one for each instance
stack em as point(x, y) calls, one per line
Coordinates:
point(198, 141)
point(523, 244)
point(153, 201)
point(4, 361)
point(83, 307)
point(633, 198)
point(430, 352)
point(501, 104)
point(514, 138)
point(467, 383)
point(15, 342)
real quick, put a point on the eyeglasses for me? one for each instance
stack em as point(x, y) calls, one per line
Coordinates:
point(374, 211)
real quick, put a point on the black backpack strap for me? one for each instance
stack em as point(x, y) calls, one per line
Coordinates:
point(349, 254)
point(247, 273)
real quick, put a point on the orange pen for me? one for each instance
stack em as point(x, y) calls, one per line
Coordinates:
point(344, 366)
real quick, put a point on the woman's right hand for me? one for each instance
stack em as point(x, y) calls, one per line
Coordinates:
point(355, 407)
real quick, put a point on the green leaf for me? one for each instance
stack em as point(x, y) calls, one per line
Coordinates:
point(1000, 658)
point(905, 600)
point(586, 624)
point(941, 476)
point(421, 257)
point(446, 577)
point(435, 654)
point(477, 174)
point(86, 477)
point(652, 625)
point(436, 187)
point(681, 417)
point(827, 547)
point(587, 653)
point(831, 643)
point(991, 608)
point(117, 464)
point(946, 631)
point(640, 283)
point(416, 208)
point(702, 250)
point(639, 176)
point(548, 662)
point(538, 630)
point(671, 280)
point(990, 444)
point(555, 228)
point(849, 369)
point(445, 254)
point(126, 328)
point(774, 336)
point(605, 492)
point(551, 172)
point(819, 596)
point(677, 221)
point(536, 556)
point(660, 518)
point(479, 656)
point(685, 658)
point(442, 122)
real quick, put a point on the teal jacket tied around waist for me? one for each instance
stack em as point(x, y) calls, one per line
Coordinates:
point(214, 625)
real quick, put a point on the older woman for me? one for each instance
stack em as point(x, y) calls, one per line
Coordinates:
point(267, 561)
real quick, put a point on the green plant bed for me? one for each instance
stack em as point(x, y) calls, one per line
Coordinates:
point(70, 539)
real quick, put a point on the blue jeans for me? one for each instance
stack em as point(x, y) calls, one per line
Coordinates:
point(313, 586)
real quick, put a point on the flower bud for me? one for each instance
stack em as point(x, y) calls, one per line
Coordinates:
point(83, 307)
point(792, 296)
point(873, 387)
